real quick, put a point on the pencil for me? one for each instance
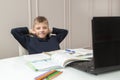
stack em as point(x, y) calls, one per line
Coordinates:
point(53, 75)
point(41, 77)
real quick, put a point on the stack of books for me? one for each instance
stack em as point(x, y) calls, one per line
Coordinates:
point(59, 59)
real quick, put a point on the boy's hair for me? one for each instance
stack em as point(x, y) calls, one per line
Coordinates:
point(40, 19)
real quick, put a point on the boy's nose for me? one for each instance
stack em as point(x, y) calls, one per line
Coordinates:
point(41, 29)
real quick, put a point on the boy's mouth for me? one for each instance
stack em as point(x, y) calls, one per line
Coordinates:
point(42, 34)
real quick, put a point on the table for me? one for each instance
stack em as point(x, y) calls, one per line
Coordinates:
point(15, 69)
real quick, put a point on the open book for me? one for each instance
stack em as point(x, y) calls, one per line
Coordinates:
point(55, 61)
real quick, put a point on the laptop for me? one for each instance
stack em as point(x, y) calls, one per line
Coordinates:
point(106, 47)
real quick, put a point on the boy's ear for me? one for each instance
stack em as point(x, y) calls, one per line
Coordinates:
point(50, 30)
point(33, 29)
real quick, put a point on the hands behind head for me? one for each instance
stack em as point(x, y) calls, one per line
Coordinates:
point(50, 30)
point(31, 31)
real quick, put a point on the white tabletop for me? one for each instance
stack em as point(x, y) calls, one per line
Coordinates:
point(16, 69)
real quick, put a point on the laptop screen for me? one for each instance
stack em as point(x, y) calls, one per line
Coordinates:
point(106, 41)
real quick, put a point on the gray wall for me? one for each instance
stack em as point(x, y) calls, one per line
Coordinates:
point(13, 13)
point(74, 15)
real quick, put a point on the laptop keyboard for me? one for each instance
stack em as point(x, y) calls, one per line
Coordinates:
point(83, 65)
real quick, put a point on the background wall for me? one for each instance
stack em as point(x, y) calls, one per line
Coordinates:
point(13, 13)
point(74, 15)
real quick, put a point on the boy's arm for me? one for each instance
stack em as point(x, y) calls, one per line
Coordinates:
point(60, 33)
point(20, 34)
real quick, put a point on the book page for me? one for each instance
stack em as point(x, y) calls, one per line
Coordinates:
point(55, 52)
point(42, 65)
point(35, 57)
point(82, 52)
point(63, 59)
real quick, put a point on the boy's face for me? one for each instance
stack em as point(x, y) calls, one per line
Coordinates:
point(41, 30)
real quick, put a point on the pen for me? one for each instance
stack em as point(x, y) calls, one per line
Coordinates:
point(70, 51)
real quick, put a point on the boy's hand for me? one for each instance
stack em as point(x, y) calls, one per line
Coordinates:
point(50, 30)
point(31, 31)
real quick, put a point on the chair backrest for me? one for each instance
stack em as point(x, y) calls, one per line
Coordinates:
point(22, 51)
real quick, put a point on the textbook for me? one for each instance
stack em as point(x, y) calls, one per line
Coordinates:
point(56, 61)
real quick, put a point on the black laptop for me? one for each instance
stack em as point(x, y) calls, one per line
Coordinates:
point(106, 46)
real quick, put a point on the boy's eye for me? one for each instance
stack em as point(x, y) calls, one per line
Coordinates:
point(38, 28)
point(44, 27)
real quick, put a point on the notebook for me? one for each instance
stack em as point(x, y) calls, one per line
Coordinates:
point(106, 46)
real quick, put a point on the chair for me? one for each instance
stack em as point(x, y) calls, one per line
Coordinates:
point(22, 51)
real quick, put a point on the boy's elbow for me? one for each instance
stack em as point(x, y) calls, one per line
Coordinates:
point(12, 31)
point(66, 32)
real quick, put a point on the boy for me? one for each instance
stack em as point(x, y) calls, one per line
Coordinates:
point(40, 41)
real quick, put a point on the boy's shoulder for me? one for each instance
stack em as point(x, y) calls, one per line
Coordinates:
point(52, 35)
point(30, 35)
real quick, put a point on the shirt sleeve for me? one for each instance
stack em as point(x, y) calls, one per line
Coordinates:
point(60, 33)
point(21, 35)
